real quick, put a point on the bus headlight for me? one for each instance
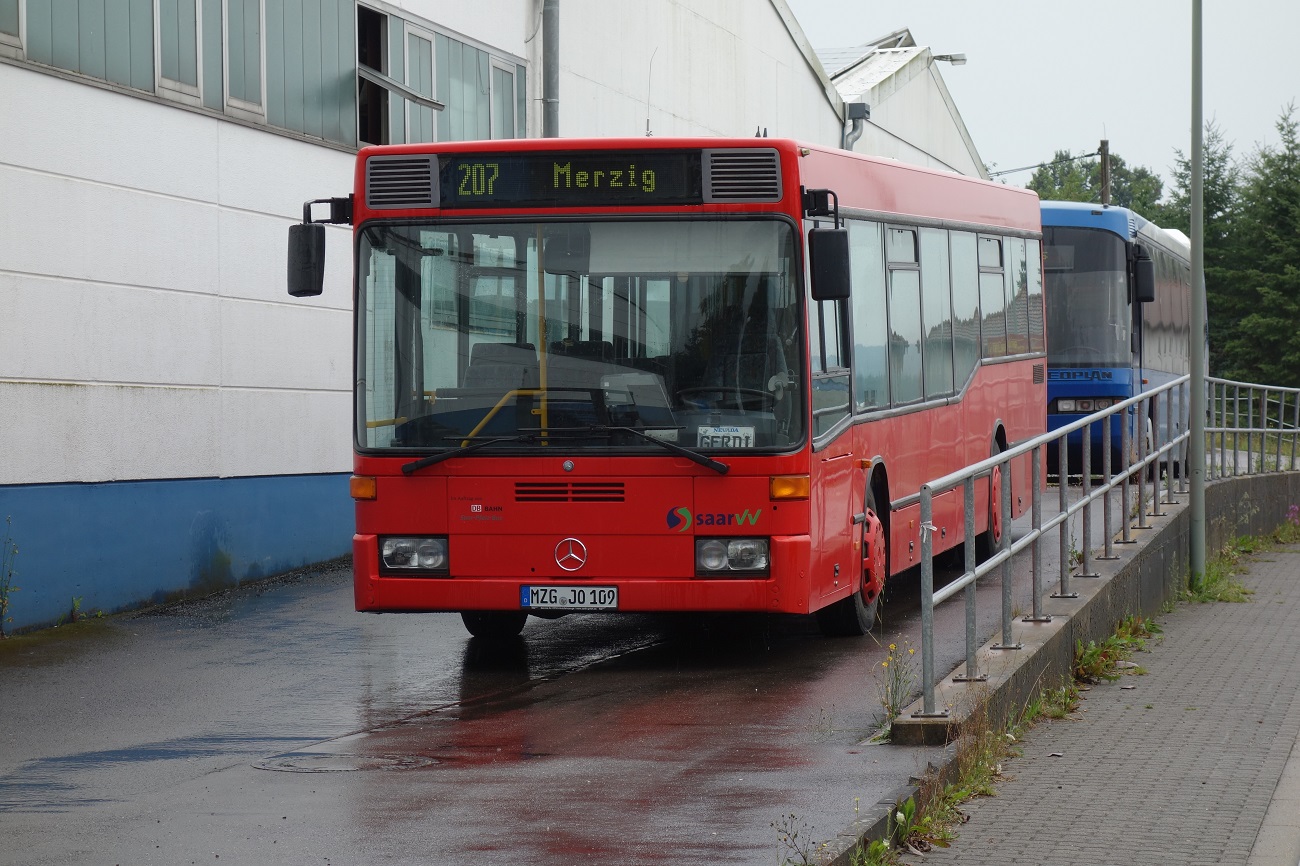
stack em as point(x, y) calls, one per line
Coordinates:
point(413, 554)
point(731, 555)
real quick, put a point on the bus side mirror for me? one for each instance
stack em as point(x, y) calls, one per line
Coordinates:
point(306, 259)
point(1144, 280)
point(828, 264)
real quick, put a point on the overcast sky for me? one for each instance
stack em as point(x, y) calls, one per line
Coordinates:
point(1044, 76)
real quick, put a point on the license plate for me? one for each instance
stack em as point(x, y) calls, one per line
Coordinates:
point(569, 597)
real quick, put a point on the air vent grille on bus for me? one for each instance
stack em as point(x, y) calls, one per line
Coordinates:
point(568, 491)
point(1038, 374)
point(742, 174)
point(401, 181)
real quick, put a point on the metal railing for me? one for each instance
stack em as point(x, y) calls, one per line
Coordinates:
point(1243, 414)
point(1150, 450)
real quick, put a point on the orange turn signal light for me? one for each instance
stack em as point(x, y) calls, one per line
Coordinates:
point(362, 487)
point(788, 487)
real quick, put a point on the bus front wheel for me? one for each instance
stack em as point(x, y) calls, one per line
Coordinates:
point(494, 624)
point(855, 615)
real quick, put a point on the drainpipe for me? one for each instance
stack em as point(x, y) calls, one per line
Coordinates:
point(859, 113)
point(551, 68)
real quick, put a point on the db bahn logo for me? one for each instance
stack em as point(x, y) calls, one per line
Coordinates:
point(681, 519)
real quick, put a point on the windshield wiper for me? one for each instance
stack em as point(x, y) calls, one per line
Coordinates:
point(417, 465)
point(694, 456)
point(532, 435)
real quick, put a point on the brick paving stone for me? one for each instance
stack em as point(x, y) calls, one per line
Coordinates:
point(1178, 770)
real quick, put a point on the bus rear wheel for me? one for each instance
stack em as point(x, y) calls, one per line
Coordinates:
point(988, 542)
point(494, 624)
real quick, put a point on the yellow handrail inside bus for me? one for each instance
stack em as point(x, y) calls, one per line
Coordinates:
point(517, 392)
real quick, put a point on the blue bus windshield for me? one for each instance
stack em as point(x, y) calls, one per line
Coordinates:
point(1086, 287)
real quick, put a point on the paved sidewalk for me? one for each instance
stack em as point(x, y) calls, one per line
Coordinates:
point(1187, 764)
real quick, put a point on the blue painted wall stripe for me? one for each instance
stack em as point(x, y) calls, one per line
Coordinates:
point(125, 544)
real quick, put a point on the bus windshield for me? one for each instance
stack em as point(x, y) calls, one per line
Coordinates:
point(1085, 283)
point(601, 335)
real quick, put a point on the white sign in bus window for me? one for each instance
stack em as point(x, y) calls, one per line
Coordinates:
point(725, 437)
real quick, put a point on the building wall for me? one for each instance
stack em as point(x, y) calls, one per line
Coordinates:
point(913, 119)
point(174, 422)
point(688, 67)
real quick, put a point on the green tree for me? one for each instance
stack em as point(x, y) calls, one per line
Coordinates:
point(1220, 197)
point(1071, 178)
point(1265, 345)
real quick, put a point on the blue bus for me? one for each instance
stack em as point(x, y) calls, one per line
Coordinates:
point(1118, 297)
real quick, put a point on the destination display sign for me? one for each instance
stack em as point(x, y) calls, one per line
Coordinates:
point(569, 179)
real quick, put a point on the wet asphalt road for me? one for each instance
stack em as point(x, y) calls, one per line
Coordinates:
point(274, 724)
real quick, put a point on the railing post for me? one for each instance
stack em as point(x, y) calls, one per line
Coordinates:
point(1085, 567)
point(1222, 424)
point(1063, 530)
point(1008, 642)
point(1125, 445)
point(1170, 447)
point(1108, 551)
point(1036, 512)
point(927, 605)
point(972, 626)
point(1249, 427)
point(1281, 410)
point(1144, 409)
point(1184, 393)
point(1295, 427)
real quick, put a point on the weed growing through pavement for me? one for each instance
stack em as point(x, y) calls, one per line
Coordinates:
point(8, 553)
point(1110, 658)
point(793, 846)
point(1220, 582)
point(1289, 532)
point(895, 679)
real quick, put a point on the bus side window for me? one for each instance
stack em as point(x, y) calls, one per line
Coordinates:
point(993, 301)
point(1034, 265)
point(965, 306)
point(905, 372)
point(870, 327)
point(936, 314)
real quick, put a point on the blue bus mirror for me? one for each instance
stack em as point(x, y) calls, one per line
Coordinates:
point(306, 259)
point(1144, 279)
point(828, 264)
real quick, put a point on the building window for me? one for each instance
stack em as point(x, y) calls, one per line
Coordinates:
point(178, 48)
point(419, 76)
point(80, 37)
point(244, 57)
point(372, 97)
point(11, 29)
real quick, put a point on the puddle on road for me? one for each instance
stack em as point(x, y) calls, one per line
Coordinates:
point(315, 762)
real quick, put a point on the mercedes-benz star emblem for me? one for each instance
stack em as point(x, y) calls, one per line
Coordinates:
point(570, 554)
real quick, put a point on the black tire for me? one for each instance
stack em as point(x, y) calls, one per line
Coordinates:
point(494, 624)
point(852, 616)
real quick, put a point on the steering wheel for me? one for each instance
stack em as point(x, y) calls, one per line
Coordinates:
point(767, 400)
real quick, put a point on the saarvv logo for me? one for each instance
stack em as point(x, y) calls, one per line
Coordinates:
point(680, 516)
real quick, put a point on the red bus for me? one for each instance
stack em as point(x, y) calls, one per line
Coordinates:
point(673, 374)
